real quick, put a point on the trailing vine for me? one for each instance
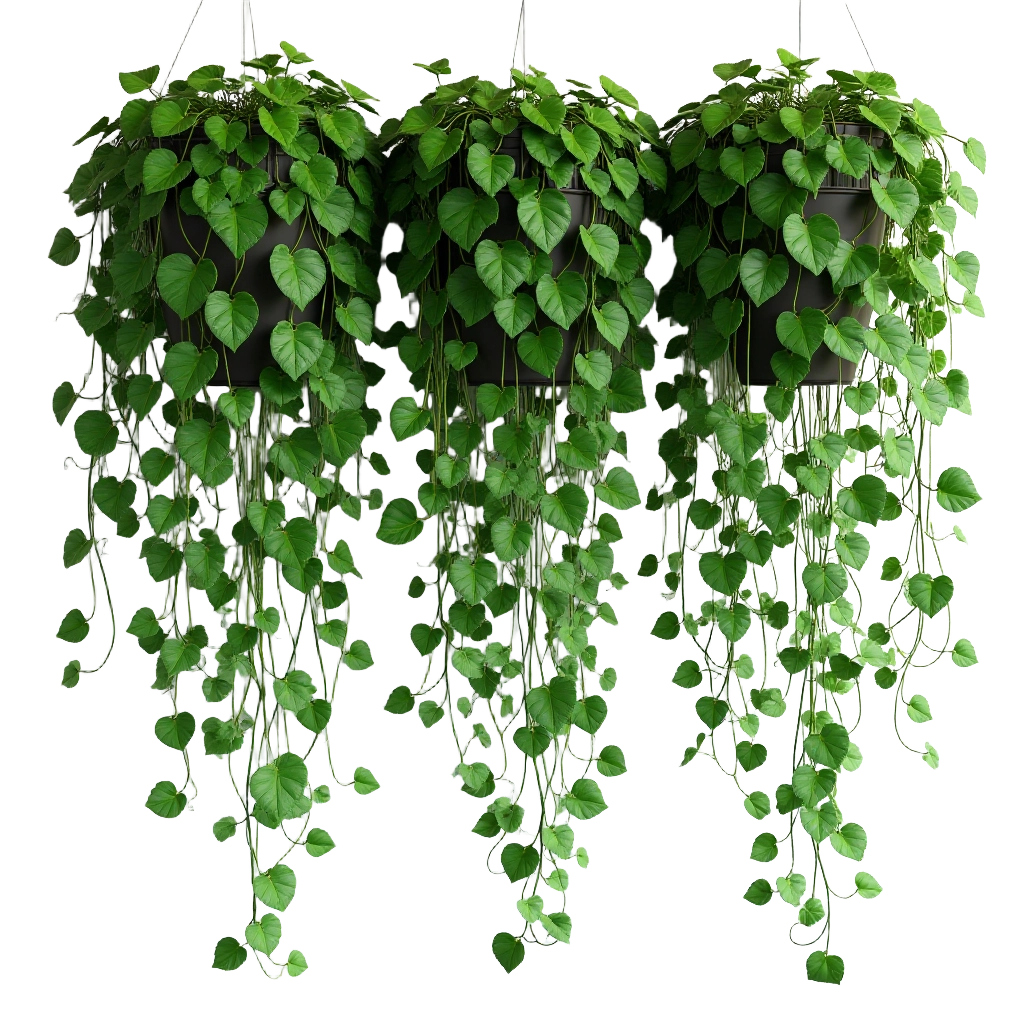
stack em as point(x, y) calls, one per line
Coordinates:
point(272, 151)
point(787, 488)
point(480, 178)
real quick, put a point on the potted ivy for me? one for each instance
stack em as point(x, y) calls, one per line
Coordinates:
point(238, 218)
point(780, 493)
point(521, 210)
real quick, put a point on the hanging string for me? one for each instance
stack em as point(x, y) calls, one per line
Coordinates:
point(246, 4)
point(520, 30)
point(178, 54)
point(859, 36)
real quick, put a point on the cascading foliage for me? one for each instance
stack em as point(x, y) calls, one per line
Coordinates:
point(173, 465)
point(792, 498)
point(516, 475)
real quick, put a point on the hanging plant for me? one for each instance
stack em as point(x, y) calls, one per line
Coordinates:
point(521, 211)
point(237, 217)
point(796, 214)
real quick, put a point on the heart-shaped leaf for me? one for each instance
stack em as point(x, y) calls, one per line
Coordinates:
point(184, 285)
point(300, 275)
point(231, 318)
point(491, 172)
point(296, 347)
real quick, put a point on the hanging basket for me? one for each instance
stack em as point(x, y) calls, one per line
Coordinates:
point(497, 361)
point(848, 201)
point(189, 233)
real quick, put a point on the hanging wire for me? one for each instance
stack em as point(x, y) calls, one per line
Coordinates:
point(520, 30)
point(252, 28)
point(859, 36)
point(178, 54)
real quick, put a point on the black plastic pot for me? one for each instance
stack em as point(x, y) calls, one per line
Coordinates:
point(849, 203)
point(497, 361)
point(189, 234)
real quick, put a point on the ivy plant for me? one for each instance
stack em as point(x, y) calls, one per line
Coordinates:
point(781, 493)
point(166, 457)
point(519, 478)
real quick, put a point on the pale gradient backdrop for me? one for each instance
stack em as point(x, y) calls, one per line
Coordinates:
point(111, 913)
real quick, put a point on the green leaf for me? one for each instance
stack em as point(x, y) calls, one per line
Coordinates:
point(300, 275)
point(975, 152)
point(773, 198)
point(899, 199)
point(830, 746)
point(565, 509)
point(204, 448)
point(65, 248)
point(618, 489)
point(265, 934)
point(292, 544)
point(866, 885)
point(557, 925)
point(763, 277)
point(824, 583)
point(963, 654)
point(187, 370)
point(666, 627)
point(161, 170)
point(166, 802)
point(275, 887)
point(280, 788)
point(825, 967)
point(864, 500)
point(464, 215)
point(364, 781)
point(296, 347)
point(544, 216)
point(541, 352)
point(399, 523)
point(584, 800)
point(184, 285)
point(318, 842)
point(515, 313)
point(551, 705)
point(955, 490)
point(491, 172)
point(296, 963)
point(742, 165)
point(929, 594)
point(508, 951)
point(765, 848)
point(64, 399)
point(229, 955)
point(716, 271)
point(139, 81)
point(850, 841)
point(612, 322)
point(724, 573)
point(503, 268)
point(519, 861)
point(175, 731)
point(359, 656)
point(472, 299)
point(602, 244)
point(231, 318)
point(224, 828)
point(95, 432)
point(801, 123)
point(812, 242)
point(355, 317)
point(759, 892)
point(73, 628)
point(595, 367)
point(563, 298)
point(791, 888)
point(240, 226)
point(237, 406)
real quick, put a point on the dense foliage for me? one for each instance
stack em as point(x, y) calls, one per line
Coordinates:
point(515, 473)
point(211, 147)
point(794, 493)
